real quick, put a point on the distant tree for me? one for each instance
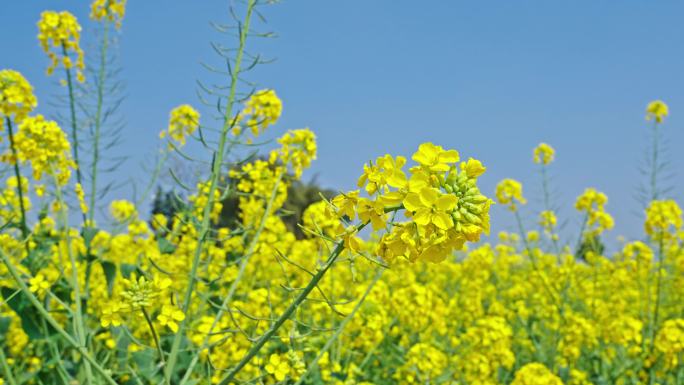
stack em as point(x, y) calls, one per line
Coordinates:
point(591, 243)
point(300, 195)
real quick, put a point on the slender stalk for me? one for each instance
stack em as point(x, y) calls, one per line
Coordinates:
point(7, 372)
point(155, 336)
point(46, 315)
point(547, 205)
point(256, 347)
point(654, 163)
point(659, 278)
point(98, 118)
point(213, 185)
point(314, 364)
point(233, 287)
point(79, 323)
point(74, 124)
point(17, 174)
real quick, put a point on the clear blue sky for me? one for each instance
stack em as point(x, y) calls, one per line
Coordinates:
point(489, 78)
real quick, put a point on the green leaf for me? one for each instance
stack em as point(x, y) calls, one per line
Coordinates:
point(21, 305)
point(165, 246)
point(110, 275)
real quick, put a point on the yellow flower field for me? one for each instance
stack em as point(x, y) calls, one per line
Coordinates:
point(386, 282)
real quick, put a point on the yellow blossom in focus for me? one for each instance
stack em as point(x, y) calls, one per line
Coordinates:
point(429, 206)
point(473, 168)
point(434, 157)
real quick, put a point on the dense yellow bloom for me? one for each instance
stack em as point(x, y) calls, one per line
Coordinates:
point(298, 149)
point(435, 158)
point(261, 110)
point(431, 207)
point(39, 284)
point(170, 316)
point(661, 217)
point(657, 110)
point(547, 220)
point(593, 202)
point(386, 172)
point(16, 96)
point(111, 315)
point(80, 195)
point(423, 364)
point(200, 199)
point(112, 10)
point(183, 121)
point(544, 154)
point(284, 366)
point(509, 192)
point(123, 210)
point(535, 374)
point(59, 35)
point(44, 145)
point(670, 341)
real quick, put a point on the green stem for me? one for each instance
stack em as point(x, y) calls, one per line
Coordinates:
point(155, 336)
point(79, 323)
point(215, 173)
point(314, 364)
point(233, 287)
point(98, 118)
point(659, 277)
point(547, 205)
point(74, 124)
point(654, 163)
point(6, 369)
point(46, 315)
point(286, 314)
point(20, 192)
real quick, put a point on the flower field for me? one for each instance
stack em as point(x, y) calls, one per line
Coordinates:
point(390, 281)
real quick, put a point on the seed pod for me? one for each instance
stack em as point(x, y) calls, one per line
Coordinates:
point(473, 208)
point(473, 218)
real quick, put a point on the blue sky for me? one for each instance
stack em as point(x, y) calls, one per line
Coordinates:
point(491, 79)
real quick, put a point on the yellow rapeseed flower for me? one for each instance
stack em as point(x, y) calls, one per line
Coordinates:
point(112, 10)
point(544, 154)
point(657, 110)
point(16, 96)
point(59, 35)
point(509, 192)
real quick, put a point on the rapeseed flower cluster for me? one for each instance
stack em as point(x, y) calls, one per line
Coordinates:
point(185, 297)
point(183, 121)
point(59, 35)
point(112, 10)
